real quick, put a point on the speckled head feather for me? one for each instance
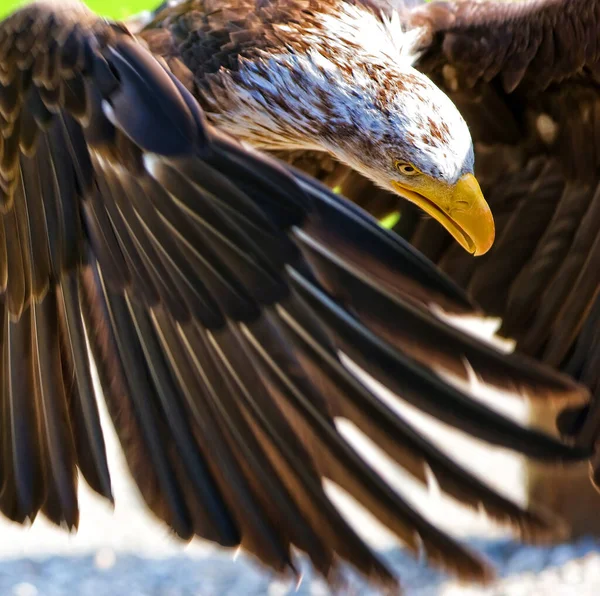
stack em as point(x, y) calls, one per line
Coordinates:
point(337, 78)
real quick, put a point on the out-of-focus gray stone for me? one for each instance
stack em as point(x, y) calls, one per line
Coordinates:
point(556, 571)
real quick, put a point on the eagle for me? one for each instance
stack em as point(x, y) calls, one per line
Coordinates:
point(233, 306)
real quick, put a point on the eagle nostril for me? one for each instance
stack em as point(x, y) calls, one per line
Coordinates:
point(461, 205)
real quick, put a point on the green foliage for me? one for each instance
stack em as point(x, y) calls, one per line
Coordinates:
point(391, 220)
point(116, 9)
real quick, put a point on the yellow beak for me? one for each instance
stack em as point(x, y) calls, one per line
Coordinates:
point(460, 208)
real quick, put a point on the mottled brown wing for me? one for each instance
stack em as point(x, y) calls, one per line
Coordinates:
point(215, 289)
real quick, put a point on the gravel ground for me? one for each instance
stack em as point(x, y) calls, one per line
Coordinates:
point(125, 552)
point(570, 570)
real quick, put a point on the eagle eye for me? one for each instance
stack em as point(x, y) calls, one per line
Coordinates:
point(405, 168)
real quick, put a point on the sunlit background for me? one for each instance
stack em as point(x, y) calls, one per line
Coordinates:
point(125, 551)
point(109, 8)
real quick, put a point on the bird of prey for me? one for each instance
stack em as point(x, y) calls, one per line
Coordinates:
point(218, 292)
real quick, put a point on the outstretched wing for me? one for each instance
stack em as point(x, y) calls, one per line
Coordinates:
point(215, 290)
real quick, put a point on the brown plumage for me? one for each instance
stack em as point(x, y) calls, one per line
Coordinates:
point(216, 288)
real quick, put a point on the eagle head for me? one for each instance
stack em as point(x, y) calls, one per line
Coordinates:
point(401, 131)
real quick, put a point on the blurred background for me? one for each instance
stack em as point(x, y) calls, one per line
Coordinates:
point(125, 551)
